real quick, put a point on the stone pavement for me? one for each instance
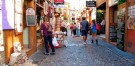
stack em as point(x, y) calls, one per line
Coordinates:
point(78, 54)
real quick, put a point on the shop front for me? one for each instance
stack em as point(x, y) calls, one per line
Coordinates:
point(113, 8)
point(121, 25)
point(121, 32)
point(101, 18)
point(119, 16)
point(117, 23)
point(18, 34)
point(125, 26)
point(130, 25)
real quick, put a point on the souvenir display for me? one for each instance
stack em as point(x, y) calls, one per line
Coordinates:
point(121, 29)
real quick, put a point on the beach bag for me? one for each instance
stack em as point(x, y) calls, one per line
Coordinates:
point(55, 43)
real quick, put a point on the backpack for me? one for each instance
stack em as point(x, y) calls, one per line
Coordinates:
point(88, 26)
point(97, 26)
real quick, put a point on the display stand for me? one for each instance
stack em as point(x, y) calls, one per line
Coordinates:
point(113, 32)
point(121, 26)
point(60, 37)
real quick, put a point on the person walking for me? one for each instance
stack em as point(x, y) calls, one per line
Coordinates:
point(74, 29)
point(71, 28)
point(64, 27)
point(84, 29)
point(78, 29)
point(46, 31)
point(103, 26)
point(94, 31)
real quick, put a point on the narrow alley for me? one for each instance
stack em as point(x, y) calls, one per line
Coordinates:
point(78, 54)
point(28, 29)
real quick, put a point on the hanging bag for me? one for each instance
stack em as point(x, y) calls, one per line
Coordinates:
point(50, 28)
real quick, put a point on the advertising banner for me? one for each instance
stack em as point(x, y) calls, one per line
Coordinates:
point(8, 14)
point(58, 2)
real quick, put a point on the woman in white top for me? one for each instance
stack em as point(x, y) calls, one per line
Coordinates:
point(78, 29)
point(64, 27)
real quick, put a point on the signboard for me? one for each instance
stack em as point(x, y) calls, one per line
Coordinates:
point(8, 14)
point(56, 2)
point(30, 17)
point(90, 3)
point(112, 2)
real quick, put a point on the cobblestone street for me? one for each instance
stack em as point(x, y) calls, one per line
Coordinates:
point(78, 54)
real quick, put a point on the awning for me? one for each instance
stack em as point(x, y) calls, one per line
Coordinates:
point(102, 6)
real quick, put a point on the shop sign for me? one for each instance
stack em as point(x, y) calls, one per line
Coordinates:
point(56, 2)
point(90, 3)
point(112, 2)
point(30, 17)
point(8, 14)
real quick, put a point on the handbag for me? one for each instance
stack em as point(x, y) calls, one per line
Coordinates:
point(50, 28)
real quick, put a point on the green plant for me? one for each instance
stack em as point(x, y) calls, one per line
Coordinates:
point(99, 17)
point(121, 1)
point(120, 46)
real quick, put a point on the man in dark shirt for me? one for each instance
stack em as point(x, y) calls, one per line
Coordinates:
point(84, 28)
